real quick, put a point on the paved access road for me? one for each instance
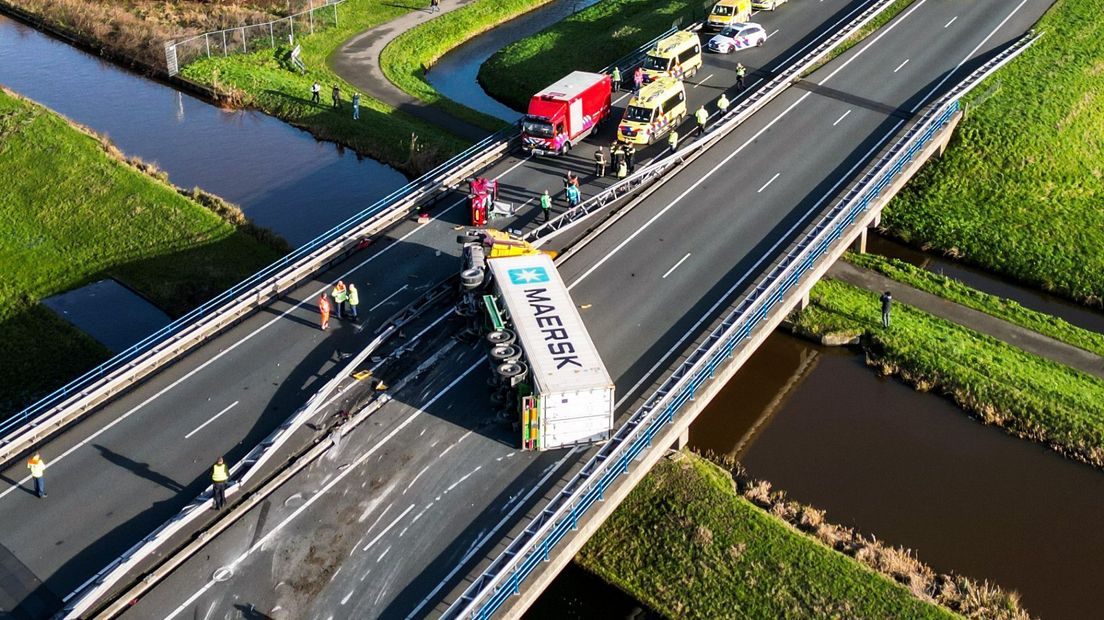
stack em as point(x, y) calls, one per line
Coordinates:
point(413, 501)
point(122, 472)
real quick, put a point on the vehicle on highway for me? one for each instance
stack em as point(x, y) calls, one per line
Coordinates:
point(737, 37)
point(566, 112)
point(677, 56)
point(728, 12)
point(766, 5)
point(654, 111)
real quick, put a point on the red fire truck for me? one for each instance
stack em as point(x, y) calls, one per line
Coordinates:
point(565, 113)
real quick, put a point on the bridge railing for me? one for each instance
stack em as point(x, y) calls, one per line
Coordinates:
point(534, 545)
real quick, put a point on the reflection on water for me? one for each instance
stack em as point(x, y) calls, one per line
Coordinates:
point(576, 594)
point(454, 75)
point(916, 471)
point(281, 177)
point(1034, 299)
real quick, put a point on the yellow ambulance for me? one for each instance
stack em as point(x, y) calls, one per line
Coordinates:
point(728, 12)
point(658, 108)
point(678, 56)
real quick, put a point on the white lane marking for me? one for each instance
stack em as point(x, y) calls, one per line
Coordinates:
point(349, 595)
point(454, 444)
point(388, 298)
point(329, 485)
point(212, 419)
point(424, 470)
point(681, 261)
point(380, 558)
point(968, 56)
point(841, 118)
point(951, 22)
point(767, 184)
point(620, 246)
point(463, 478)
point(900, 66)
point(703, 80)
point(773, 33)
point(309, 299)
point(498, 526)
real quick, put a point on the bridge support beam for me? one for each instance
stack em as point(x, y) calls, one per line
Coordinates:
point(859, 245)
point(683, 439)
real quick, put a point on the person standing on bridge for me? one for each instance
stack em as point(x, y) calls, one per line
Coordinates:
point(722, 104)
point(615, 77)
point(630, 157)
point(316, 93)
point(545, 204)
point(573, 195)
point(741, 72)
point(616, 156)
point(324, 310)
point(219, 476)
point(340, 295)
point(702, 117)
point(336, 96)
point(38, 469)
point(354, 301)
point(356, 106)
point(638, 80)
point(672, 140)
point(887, 305)
point(600, 162)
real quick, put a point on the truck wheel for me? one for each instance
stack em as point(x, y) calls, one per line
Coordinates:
point(471, 278)
point(514, 371)
point(503, 337)
point(505, 353)
point(565, 148)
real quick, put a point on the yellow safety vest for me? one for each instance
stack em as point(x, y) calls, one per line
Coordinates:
point(340, 294)
point(672, 140)
point(354, 296)
point(37, 467)
point(218, 473)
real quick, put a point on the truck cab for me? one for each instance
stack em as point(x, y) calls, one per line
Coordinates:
point(565, 112)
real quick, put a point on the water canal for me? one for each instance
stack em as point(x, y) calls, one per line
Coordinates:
point(280, 176)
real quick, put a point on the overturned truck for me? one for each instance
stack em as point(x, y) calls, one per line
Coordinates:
point(548, 374)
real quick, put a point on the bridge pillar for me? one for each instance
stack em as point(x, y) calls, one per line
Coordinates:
point(859, 246)
point(683, 439)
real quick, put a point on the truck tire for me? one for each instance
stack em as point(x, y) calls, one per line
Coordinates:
point(505, 353)
point(503, 337)
point(471, 278)
point(513, 371)
point(565, 149)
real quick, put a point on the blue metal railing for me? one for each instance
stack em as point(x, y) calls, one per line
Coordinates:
point(83, 382)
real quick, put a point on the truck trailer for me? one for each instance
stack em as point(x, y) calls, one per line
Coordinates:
point(559, 385)
point(566, 112)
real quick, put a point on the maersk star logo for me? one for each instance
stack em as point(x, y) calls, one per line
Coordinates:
point(528, 275)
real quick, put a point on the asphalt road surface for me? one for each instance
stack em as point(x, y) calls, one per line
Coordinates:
point(414, 498)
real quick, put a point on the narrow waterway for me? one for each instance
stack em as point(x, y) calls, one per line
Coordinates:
point(282, 177)
point(454, 75)
point(1034, 299)
point(914, 470)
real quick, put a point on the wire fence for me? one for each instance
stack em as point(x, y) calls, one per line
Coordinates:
point(243, 39)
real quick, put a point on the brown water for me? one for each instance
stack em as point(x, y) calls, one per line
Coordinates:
point(1034, 299)
point(915, 471)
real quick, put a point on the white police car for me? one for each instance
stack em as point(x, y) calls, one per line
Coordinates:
point(737, 37)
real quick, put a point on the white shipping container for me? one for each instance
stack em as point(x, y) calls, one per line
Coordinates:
point(574, 390)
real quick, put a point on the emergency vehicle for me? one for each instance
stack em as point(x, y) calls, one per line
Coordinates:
point(678, 56)
point(766, 5)
point(653, 112)
point(566, 112)
point(728, 12)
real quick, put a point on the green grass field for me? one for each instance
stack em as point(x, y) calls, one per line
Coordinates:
point(72, 213)
point(267, 81)
point(1020, 190)
point(686, 544)
point(1029, 396)
point(953, 290)
point(586, 41)
point(404, 59)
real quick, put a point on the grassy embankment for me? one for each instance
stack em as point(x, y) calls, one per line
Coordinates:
point(267, 80)
point(1006, 309)
point(586, 41)
point(692, 543)
point(72, 213)
point(1020, 190)
point(1027, 395)
point(405, 59)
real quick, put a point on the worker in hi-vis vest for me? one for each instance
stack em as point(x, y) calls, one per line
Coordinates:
point(219, 476)
point(701, 116)
point(672, 140)
point(38, 469)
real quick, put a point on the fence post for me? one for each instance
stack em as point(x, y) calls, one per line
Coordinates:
point(245, 49)
point(224, 52)
point(291, 20)
point(207, 41)
point(335, 15)
point(310, 14)
point(271, 36)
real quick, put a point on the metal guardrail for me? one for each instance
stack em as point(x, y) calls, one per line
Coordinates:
point(20, 431)
point(503, 578)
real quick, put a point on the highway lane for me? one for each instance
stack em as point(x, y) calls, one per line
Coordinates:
point(704, 232)
point(118, 474)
